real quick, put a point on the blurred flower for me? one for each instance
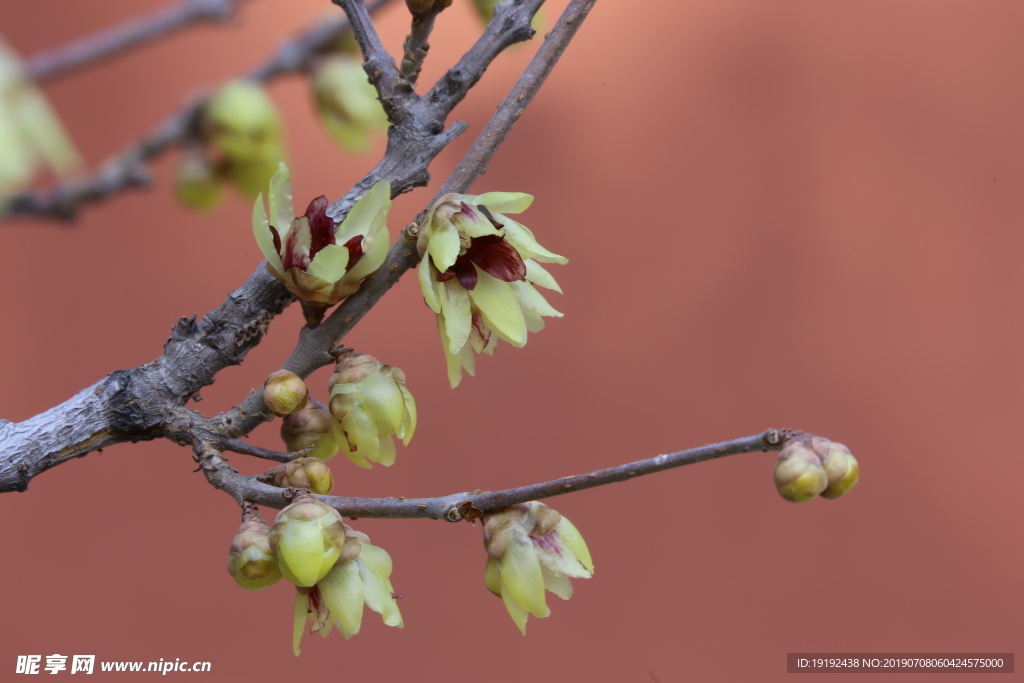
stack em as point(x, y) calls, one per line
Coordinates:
point(317, 262)
point(370, 402)
point(308, 538)
point(310, 426)
point(338, 599)
point(196, 182)
point(242, 123)
point(347, 102)
point(485, 9)
point(304, 473)
point(531, 548)
point(478, 274)
point(251, 561)
point(31, 135)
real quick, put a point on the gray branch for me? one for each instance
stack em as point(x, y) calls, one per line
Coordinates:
point(114, 41)
point(459, 506)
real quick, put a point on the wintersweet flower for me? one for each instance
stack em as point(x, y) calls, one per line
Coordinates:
point(347, 102)
point(252, 561)
point(799, 474)
point(338, 599)
point(31, 135)
point(370, 403)
point(531, 548)
point(303, 473)
point(318, 262)
point(308, 538)
point(842, 469)
point(478, 274)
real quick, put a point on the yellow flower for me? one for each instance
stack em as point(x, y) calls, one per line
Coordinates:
point(308, 538)
point(478, 274)
point(809, 466)
point(31, 135)
point(531, 548)
point(338, 599)
point(347, 102)
point(318, 262)
point(370, 403)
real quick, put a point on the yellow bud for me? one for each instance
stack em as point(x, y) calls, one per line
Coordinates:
point(309, 427)
point(799, 475)
point(252, 561)
point(308, 538)
point(196, 183)
point(842, 469)
point(305, 473)
point(284, 393)
point(242, 121)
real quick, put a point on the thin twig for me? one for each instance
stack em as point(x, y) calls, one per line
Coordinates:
point(246, 448)
point(458, 506)
point(115, 40)
point(128, 169)
point(416, 46)
point(378, 64)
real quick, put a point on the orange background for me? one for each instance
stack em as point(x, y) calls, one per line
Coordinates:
point(797, 214)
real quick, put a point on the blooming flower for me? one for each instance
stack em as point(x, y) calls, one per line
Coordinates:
point(31, 135)
point(338, 599)
point(809, 466)
point(347, 102)
point(531, 548)
point(478, 274)
point(317, 262)
point(370, 403)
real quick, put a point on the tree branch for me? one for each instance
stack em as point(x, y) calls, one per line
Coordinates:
point(415, 48)
point(128, 169)
point(113, 41)
point(458, 506)
point(378, 64)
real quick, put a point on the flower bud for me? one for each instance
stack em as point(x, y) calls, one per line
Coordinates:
point(310, 427)
point(347, 102)
point(799, 475)
point(284, 393)
point(251, 561)
point(308, 538)
point(242, 122)
point(370, 403)
point(305, 473)
point(842, 469)
point(196, 183)
point(532, 548)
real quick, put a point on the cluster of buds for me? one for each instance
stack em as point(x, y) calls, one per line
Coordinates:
point(809, 466)
point(31, 135)
point(244, 144)
point(532, 548)
point(370, 403)
point(319, 263)
point(347, 103)
point(478, 274)
point(334, 568)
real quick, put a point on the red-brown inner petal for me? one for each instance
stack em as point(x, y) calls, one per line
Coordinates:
point(496, 256)
point(277, 239)
point(321, 228)
point(464, 270)
point(290, 258)
point(355, 251)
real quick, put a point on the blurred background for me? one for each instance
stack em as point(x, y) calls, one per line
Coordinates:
point(787, 214)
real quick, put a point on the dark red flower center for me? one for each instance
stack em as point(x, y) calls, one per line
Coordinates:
point(491, 253)
point(321, 233)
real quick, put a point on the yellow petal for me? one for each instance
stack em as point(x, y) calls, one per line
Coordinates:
point(299, 624)
point(458, 319)
point(444, 246)
point(426, 285)
point(342, 590)
point(280, 200)
point(504, 202)
point(521, 575)
point(499, 306)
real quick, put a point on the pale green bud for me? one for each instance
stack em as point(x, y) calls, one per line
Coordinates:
point(243, 123)
point(842, 469)
point(370, 403)
point(305, 473)
point(251, 561)
point(196, 183)
point(532, 548)
point(347, 103)
point(284, 393)
point(310, 427)
point(308, 538)
point(799, 475)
